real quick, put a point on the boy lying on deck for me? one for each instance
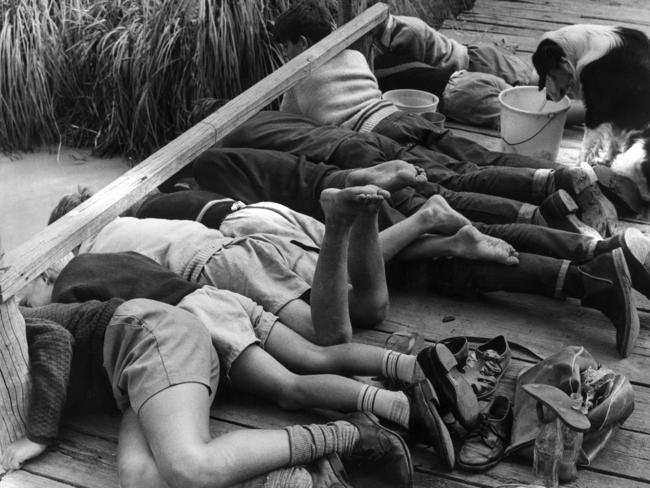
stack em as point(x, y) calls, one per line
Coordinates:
point(154, 362)
point(553, 263)
point(344, 92)
point(237, 325)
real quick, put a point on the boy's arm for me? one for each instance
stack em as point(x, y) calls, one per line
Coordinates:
point(50, 357)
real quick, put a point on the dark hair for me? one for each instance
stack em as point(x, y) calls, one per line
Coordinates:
point(310, 18)
point(68, 202)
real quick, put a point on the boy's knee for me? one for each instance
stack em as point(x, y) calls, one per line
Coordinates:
point(372, 313)
point(190, 469)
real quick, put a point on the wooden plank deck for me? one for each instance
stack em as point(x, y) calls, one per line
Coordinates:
point(85, 456)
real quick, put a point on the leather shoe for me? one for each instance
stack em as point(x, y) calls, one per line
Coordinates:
point(459, 347)
point(559, 211)
point(328, 472)
point(426, 424)
point(607, 287)
point(380, 458)
point(619, 189)
point(486, 365)
point(455, 393)
point(636, 249)
point(581, 183)
point(485, 445)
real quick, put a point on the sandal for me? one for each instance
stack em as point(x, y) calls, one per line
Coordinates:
point(486, 365)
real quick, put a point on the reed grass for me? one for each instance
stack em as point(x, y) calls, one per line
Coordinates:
point(126, 76)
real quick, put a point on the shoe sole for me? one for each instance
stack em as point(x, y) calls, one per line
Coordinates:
point(626, 340)
point(636, 249)
point(442, 443)
point(621, 187)
point(479, 467)
point(464, 409)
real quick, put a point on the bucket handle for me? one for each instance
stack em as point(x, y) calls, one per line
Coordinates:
point(550, 119)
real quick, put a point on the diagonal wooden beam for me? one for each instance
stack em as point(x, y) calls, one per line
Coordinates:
point(31, 258)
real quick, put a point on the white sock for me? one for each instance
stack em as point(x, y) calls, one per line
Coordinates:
point(403, 367)
point(389, 405)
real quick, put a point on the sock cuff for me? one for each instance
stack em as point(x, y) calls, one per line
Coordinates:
point(561, 279)
point(542, 187)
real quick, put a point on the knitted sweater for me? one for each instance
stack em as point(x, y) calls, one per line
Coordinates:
point(342, 92)
point(53, 371)
point(126, 275)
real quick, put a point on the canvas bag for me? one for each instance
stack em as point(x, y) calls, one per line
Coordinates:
point(563, 371)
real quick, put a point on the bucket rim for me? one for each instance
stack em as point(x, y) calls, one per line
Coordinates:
point(435, 99)
point(564, 99)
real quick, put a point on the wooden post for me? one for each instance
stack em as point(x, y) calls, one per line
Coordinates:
point(14, 370)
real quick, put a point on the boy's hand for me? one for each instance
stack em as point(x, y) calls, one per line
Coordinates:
point(20, 451)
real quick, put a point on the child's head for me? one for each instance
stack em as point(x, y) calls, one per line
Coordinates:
point(39, 291)
point(68, 202)
point(303, 25)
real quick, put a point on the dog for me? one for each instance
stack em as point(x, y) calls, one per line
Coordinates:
point(608, 68)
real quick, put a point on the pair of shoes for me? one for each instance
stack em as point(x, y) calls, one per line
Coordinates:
point(486, 365)
point(608, 287)
point(455, 393)
point(329, 472)
point(381, 456)
point(426, 424)
point(581, 183)
point(484, 446)
point(560, 212)
point(621, 190)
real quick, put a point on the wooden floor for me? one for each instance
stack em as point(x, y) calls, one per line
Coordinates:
point(85, 454)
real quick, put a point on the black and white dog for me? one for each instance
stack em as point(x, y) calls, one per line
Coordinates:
point(609, 69)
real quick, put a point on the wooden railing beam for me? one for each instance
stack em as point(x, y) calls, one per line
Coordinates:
point(56, 240)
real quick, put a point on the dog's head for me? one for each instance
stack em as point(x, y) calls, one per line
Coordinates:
point(556, 73)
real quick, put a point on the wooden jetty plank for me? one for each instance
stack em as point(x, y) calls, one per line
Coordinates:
point(56, 240)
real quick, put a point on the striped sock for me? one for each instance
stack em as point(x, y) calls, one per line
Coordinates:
point(311, 442)
point(403, 367)
point(389, 405)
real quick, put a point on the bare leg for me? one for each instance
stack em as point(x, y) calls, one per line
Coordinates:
point(137, 468)
point(301, 356)
point(330, 290)
point(468, 243)
point(435, 216)
point(20, 451)
point(256, 371)
point(391, 175)
point(368, 299)
point(175, 426)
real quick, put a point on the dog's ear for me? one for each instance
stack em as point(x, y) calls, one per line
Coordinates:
point(548, 56)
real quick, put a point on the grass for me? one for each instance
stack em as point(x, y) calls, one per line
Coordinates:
point(127, 76)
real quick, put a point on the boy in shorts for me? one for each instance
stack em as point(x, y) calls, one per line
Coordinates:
point(153, 362)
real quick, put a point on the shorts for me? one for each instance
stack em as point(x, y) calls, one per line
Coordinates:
point(255, 267)
point(150, 346)
point(234, 322)
point(488, 57)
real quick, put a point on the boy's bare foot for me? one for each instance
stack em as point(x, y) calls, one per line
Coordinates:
point(20, 451)
point(343, 206)
point(472, 244)
point(440, 218)
point(391, 175)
